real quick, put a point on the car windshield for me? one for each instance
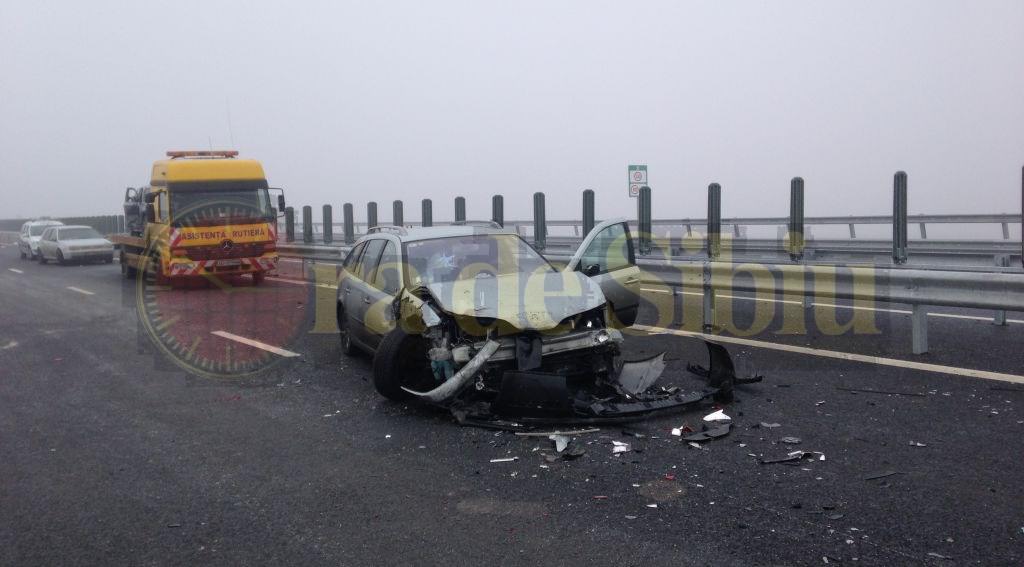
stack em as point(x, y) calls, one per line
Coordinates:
point(37, 229)
point(78, 233)
point(206, 207)
point(479, 255)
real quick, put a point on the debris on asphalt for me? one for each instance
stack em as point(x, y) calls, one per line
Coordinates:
point(556, 432)
point(599, 497)
point(561, 441)
point(573, 453)
point(938, 555)
point(767, 425)
point(790, 440)
point(917, 444)
point(870, 391)
point(695, 445)
point(652, 505)
point(795, 457)
point(505, 460)
point(882, 475)
point(633, 433)
point(709, 433)
point(717, 416)
point(174, 525)
point(620, 447)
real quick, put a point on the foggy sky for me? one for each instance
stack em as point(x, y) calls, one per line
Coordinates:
point(403, 100)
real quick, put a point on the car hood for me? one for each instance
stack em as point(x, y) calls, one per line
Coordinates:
point(90, 242)
point(538, 301)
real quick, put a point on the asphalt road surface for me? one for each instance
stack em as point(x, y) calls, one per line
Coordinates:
point(112, 453)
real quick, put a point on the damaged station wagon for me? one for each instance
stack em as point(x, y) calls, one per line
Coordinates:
point(471, 317)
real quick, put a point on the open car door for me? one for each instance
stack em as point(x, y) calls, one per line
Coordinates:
point(607, 257)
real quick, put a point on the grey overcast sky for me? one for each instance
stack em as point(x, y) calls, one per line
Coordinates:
point(403, 100)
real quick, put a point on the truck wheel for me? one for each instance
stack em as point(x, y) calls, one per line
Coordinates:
point(258, 277)
point(348, 348)
point(401, 360)
point(60, 258)
point(127, 271)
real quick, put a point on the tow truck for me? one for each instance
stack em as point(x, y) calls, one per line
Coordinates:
point(204, 214)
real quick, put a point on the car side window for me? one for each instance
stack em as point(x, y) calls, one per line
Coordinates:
point(368, 263)
point(163, 211)
point(611, 250)
point(353, 257)
point(388, 278)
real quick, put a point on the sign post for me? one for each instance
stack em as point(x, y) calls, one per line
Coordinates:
point(637, 179)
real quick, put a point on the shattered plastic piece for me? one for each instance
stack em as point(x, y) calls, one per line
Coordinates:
point(561, 441)
point(709, 433)
point(790, 440)
point(795, 456)
point(677, 431)
point(556, 432)
point(652, 505)
point(505, 460)
point(938, 555)
point(600, 497)
point(695, 445)
point(717, 416)
point(633, 433)
point(770, 425)
point(916, 444)
point(637, 376)
point(573, 453)
point(619, 447)
point(869, 391)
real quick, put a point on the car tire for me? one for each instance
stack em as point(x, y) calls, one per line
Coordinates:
point(400, 360)
point(23, 255)
point(348, 348)
point(60, 258)
point(40, 257)
point(127, 271)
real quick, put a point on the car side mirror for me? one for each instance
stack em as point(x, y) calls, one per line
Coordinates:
point(592, 270)
point(150, 212)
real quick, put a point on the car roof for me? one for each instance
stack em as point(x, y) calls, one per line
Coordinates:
point(47, 222)
point(432, 232)
point(76, 226)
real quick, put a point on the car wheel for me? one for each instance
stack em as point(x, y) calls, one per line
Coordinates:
point(401, 360)
point(60, 258)
point(41, 258)
point(23, 254)
point(127, 271)
point(348, 348)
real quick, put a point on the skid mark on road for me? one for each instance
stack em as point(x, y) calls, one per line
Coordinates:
point(257, 344)
point(80, 290)
point(15, 270)
point(973, 373)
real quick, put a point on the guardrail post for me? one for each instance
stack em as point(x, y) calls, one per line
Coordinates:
point(307, 224)
point(708, 300)
point(588, 211)
point(460, 208)
point(289, 224)
point(350, 227)
point(397, 218)
point(899, 218)
point(999, 318)
point(796, 219)
point(714, 238)
point(371, 215)
point(644, 220)
point(540, 229)
point(919, 329)
point(498, 210)
point(427, 214)
point(328, 224)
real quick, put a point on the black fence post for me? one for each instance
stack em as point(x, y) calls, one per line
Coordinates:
point(289, 224)
point(397, 216)
point(540, 228)
point(371, 215)
point(498, 210)
point(307, 224)
point(328, 224)
point(899, 218)
point(350, 229)
point(714, 220)
point(643, 221)
point(796, 219)
point(427, 214)
point(588, 211)
point(460, 208)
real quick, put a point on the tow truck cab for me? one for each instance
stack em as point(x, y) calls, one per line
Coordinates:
point(204, 213)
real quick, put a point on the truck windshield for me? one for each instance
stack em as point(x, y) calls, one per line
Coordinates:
point(479, 255)
point(217, 206)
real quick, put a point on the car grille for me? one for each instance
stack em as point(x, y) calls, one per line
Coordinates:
point(247, 250)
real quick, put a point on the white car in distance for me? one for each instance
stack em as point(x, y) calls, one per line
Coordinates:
point(28, 239)
point(65, 244)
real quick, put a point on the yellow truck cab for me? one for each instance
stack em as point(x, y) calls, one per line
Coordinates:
point(205, 213)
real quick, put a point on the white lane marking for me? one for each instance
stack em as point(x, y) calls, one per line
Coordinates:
point(253, 343)
point(11, 344)
point(79, 290)
point(817, 304)
point(16, 270)
point(987, 375)
point(303, 282)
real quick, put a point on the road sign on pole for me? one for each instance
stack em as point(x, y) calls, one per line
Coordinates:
point(637, 179)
